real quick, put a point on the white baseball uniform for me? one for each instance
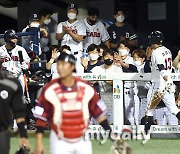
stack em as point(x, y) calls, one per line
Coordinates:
point(129, 94)
point(162, 55)
point(76, 48)
point(95, 34)
point(12, 61)
point(165, 117)
point(141, 90)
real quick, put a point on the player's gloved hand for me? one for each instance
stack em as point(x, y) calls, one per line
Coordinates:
point(24, 66)
point(120, 147)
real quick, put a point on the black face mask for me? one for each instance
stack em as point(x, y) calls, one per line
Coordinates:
point(100, 58)
point(108, 62)
point(92, 22)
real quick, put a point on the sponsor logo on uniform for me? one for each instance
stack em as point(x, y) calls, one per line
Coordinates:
point(117, 90)
point(4, 94)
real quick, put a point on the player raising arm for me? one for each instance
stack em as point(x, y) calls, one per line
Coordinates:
point(71, 33)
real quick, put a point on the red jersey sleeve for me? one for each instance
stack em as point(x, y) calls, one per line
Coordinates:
point(97, 107)
point(41, 111)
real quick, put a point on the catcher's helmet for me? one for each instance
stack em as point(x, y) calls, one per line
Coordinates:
point(67, 57)
point(156, 37)
point(10, 34)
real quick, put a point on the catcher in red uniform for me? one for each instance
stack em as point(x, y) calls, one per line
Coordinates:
point(66, 104)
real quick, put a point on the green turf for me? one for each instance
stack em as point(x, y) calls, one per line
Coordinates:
point(154, 146)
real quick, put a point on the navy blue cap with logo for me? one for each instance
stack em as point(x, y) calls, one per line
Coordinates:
point(72, 6)
point(34, 17)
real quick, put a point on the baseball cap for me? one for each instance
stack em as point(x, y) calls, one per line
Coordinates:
point(72, 6)
point(34, 16)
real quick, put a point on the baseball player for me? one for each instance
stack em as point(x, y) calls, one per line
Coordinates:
point(10, 56)
point(71, 33)
point(66, 103)
point(162, 84)
point(95, 30)
point(11, 102)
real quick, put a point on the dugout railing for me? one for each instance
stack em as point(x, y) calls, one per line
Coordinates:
point(118, 100)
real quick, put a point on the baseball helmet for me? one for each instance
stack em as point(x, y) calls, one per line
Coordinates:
point(156, 37)
point(10, 34)
point(67, 57)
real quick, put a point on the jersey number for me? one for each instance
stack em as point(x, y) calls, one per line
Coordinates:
point(168, 64)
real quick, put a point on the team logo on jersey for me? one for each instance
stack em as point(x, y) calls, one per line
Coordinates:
point(74, 30)
point(114, 35)
point(14, 58)
point(127, 35)
point(4, 94)
point(93, 34)
point(72, 5)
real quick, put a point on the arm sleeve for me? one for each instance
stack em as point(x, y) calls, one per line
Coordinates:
point(41, 111)
point(160, 67)
point(59, 28)
point(132, 68)
point(97, 107)
point(157, 56)
point(18, 106)
point(25, 56)
point(132, 34)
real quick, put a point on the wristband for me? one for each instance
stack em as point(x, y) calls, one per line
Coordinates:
point(105, 125)
point(40, 130)
point(22, 129)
